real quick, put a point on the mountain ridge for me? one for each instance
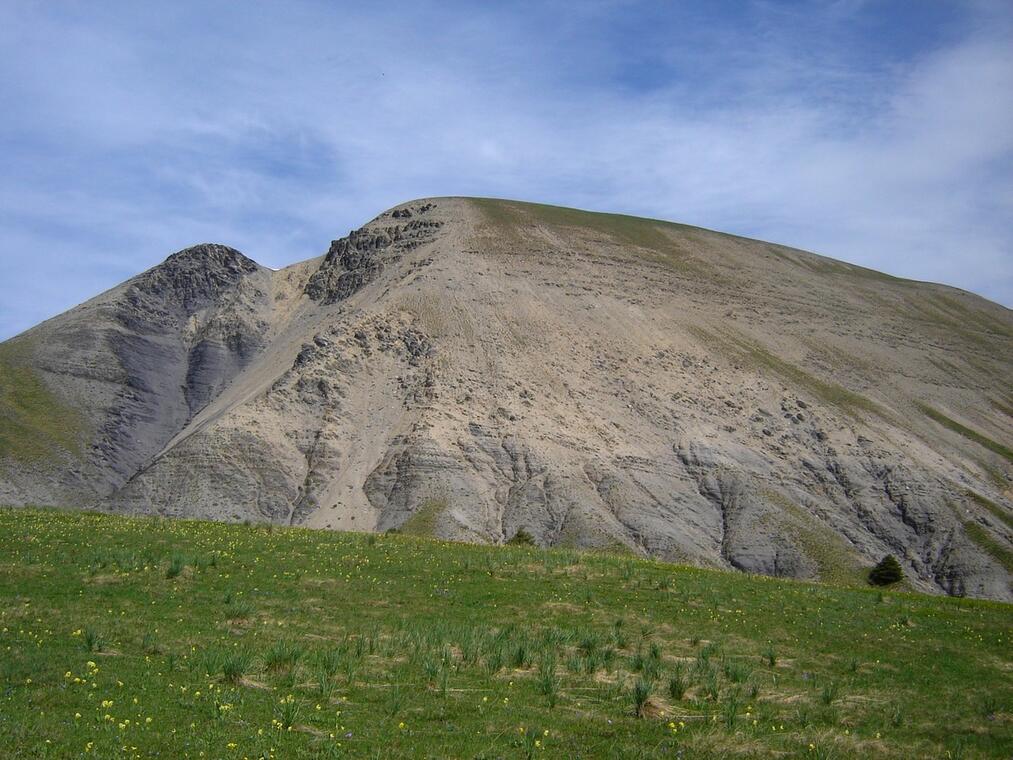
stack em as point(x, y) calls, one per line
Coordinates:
point(476, 367)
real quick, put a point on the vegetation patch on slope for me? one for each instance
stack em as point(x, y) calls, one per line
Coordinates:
point(971, 435)
point(835, 562)
point(988, 542)
point(633, 230)
point(652, 235)
point(826, 266)
point(189, 639)
point(759, 358)
point(946, 316)
point(33, 421)
point(423, 520)
point(961, 313)
point(1004, 408)
point(992, 507)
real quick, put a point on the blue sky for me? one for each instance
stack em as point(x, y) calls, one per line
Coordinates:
point(877, 132)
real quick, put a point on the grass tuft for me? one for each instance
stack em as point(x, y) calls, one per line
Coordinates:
point(639, 694)
point(235, 665)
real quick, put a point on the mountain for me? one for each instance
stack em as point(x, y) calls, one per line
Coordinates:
point(472, 368)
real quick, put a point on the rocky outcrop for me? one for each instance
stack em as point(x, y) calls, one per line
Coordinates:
point(359, 258)
point(188, 281)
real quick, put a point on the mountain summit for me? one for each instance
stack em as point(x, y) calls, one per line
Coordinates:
point(473, 368)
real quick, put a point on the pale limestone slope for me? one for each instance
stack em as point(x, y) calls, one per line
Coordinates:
point(472, 368)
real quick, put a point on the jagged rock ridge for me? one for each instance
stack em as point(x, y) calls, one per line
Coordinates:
point(471, 368)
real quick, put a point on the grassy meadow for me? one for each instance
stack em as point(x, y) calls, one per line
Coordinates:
point(134, 637)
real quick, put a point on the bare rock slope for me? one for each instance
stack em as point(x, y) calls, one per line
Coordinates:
point(471, 368)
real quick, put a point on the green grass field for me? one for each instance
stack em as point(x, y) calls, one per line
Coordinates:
point(127, 637)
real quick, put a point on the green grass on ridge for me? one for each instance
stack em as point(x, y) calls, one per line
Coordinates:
point(634, 230)
point(667, 243)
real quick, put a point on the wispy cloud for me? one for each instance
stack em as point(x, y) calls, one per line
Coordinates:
point(842, 127)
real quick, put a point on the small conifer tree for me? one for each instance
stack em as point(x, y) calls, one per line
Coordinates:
point(522, 538)
point(887, 571)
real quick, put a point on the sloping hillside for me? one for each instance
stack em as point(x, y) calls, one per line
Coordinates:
point(470, 368)
point(188, 639)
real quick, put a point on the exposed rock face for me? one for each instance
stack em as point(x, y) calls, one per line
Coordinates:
point(473, 368)
point(140, 360)
point(358, 259)
point(188, 327)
